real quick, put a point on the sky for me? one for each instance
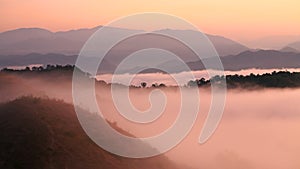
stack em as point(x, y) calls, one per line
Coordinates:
point(243, 21)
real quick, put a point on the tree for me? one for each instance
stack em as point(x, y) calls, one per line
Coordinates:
point(192, 83)
point(143, 84)
point(154, 85)
point(162, 85)
point(41, 68)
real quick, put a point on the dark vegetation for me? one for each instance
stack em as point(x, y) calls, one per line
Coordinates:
point(58, 71)
point(281, 79)
point(42, 133)
point(42, 69)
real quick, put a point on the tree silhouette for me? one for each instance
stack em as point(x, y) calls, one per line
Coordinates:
point(279, 79)
point(143, 84)
point(162, 85)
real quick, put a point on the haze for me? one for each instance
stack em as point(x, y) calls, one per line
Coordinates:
point(243, 21)
point(259, 129)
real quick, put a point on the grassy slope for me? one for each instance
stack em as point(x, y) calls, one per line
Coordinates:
point(40, 133)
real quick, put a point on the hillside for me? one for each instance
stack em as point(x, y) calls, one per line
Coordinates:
point(40, 133)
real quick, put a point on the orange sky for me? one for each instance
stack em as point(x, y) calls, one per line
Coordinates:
point(236, 19)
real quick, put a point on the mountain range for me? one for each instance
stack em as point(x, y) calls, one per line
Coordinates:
point(261, 59)
point(295, 46)
point(273, 42)
point(36, 40)
point(28, 46)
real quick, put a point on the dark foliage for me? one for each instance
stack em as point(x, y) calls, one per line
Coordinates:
point(42, 69)
point(43, 133)
point(281, 79)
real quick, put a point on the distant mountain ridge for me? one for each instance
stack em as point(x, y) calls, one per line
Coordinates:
point(273, 42)
point(37, 40)
point(289, 49)
point(27, 46)
point(295, 45)
point(260, 59)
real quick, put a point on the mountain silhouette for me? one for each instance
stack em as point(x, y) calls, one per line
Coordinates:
point(295, 45)
point(289, 49)
point(36, 40)
point(273, 42)
point(261, 59)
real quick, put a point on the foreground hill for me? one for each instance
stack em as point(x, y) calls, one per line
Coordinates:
point(40, 133)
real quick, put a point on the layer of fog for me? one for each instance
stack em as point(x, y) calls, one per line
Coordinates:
point(169, 79)
point(259, 129)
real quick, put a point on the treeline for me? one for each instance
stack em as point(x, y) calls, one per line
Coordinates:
point(281, 79)
point(41, 68)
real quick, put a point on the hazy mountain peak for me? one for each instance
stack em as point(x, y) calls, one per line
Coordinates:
point(26, 30)
point(28, 40)
point(295, 45)
point(289, 49)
